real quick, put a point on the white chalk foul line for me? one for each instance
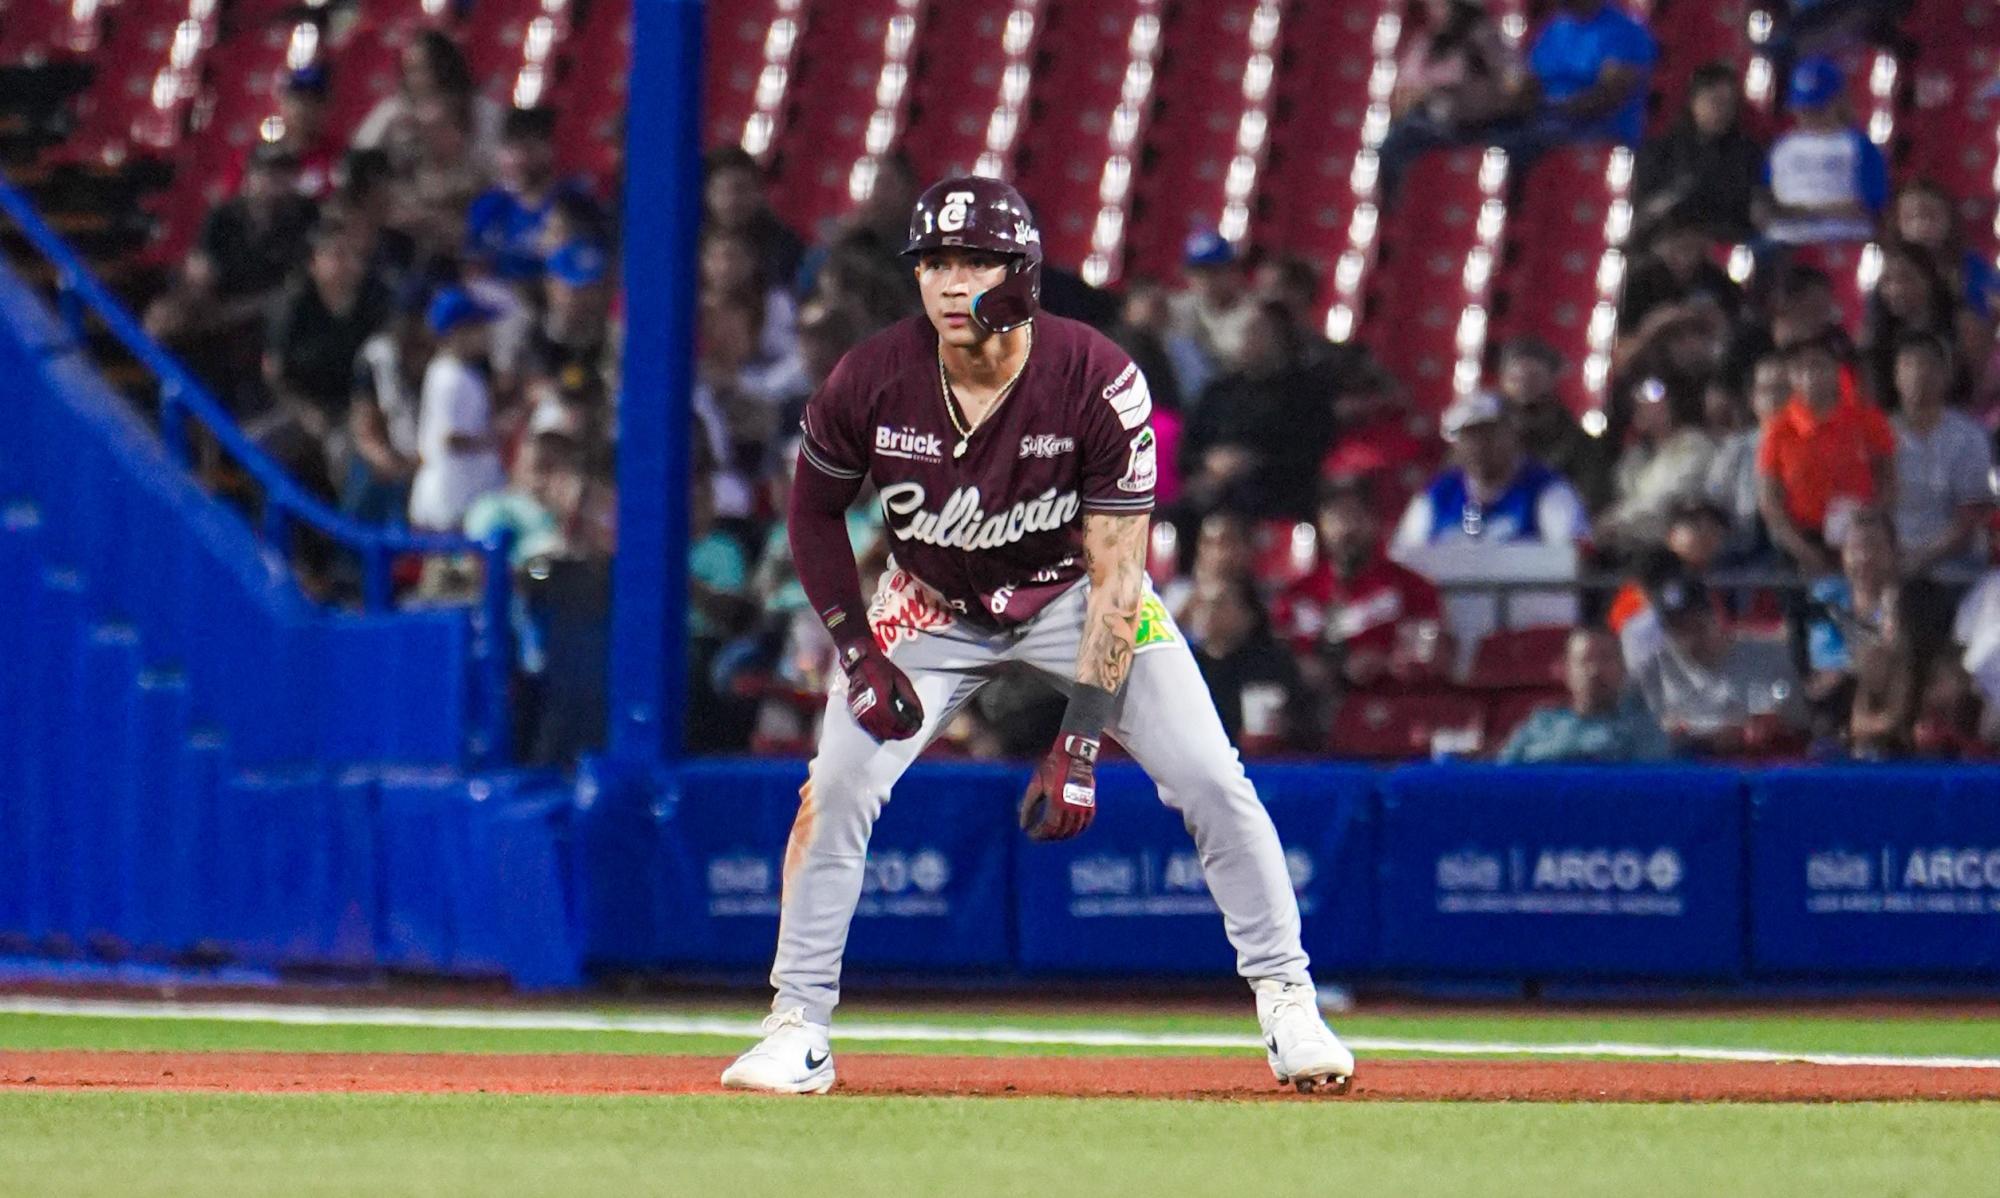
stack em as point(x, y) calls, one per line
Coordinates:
point(466, 1019)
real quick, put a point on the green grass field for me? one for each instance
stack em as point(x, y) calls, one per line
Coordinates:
point(222, 1145)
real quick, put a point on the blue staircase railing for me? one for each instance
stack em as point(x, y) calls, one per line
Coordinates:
point(81, 295)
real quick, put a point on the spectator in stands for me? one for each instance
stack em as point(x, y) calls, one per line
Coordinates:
point(1590, 68)
point(874, 230)
point(1697, 533)
point(1676, 269)
point(1257, 434)
point(1665, 463)
point(729, 265)
point(1912, 299)
point(1825, 180)
point(1733, 484)
point(734, 203)
point(1715, 691)
point(738, 424)
point(1925, 217)
point(1586, 81)
point(1253, 680)
point(1458, 76)
point(825, 335)
point(1225, 550)
point(440, 180)
point(458, 447)
point(1604, 723)
point(366, 204)
point(1975, 632)
point(382, 417)
point(247, 248)
point(1494, 494)
point(302, 130)
point(718, 607)
point(1857, 641)
point(575, 403)
point(544, 496)
point(1211, 317)
point(1706, 167)
point(1827, 453)
point(505, 227)
point(1674, 355)
point(316, 333)
point(1358, 619)
point(1944, 466)
point(575, 324)
point(433, 71)
point(1529, 368)
point(857, 276)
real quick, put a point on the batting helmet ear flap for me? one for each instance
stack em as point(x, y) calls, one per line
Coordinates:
point(1014, 300)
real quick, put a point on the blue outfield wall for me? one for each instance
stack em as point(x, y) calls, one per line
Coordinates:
point(1691, 875)
point(1677, 876)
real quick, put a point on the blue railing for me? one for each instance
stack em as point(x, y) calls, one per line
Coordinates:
point(286, 504)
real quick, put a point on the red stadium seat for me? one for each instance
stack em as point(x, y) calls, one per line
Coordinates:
point(148, 74)
point(954, 87)
point(1306, 194)
point(1519, 657)
point(1559, 241)
point(1405, 725)
point(590, 102)
point(1419, 290)
point(1286, 551)
point(36, 32)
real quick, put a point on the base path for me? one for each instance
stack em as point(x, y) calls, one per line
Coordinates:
point(1078, 1077)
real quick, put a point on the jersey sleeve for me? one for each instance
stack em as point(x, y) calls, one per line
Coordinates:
point(1120, 451)
point(835, 424)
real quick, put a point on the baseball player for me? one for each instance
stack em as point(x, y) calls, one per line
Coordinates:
point(1013, 456)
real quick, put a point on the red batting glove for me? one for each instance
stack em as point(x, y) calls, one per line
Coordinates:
point(879, 696)
point(1062, 797)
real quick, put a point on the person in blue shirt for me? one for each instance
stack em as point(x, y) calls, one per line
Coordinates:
point(1586, 81)
point(1604, 722)
point(506, 228)
point(1825, 181)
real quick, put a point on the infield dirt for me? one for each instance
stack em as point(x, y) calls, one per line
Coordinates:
point(1209, 1077)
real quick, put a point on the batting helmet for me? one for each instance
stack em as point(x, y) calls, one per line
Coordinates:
point(985, 214)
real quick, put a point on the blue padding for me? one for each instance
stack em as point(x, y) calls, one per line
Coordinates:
point(1574, 873)
point(20, 796)
point(63, 742)
point(421, 843)
point(1862, 873)
point(147, 856)
point(526, 926)
point(936, 889)
point(1128, 895)
point(109, 784)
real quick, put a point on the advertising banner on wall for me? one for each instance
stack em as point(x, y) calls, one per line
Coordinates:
point(1872, 872)
point(934, 893)
point(1570, 872)
point(1129, 896)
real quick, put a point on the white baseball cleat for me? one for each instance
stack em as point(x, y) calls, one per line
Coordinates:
point(793, 1058)
point(1302, 1050)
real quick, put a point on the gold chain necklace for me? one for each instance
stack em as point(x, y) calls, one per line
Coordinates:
point(965, 430)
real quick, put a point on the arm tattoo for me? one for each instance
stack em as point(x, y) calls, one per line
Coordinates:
point(1114, 554)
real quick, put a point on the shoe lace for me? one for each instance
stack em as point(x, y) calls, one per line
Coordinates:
point(1292, 1000)
point(777, 1020)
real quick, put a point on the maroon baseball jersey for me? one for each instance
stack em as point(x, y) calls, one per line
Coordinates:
point(997, 532)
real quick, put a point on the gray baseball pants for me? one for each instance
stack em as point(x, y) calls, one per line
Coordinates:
point(1164, 719)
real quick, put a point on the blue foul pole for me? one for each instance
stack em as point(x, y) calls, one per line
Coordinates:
point(663, 187)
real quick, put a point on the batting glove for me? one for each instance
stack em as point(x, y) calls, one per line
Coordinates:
point(1062, 796)
point(879, 695)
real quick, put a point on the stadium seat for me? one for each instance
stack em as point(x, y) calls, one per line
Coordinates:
point(961, 58)
point(1321, 102)
point(1405, 725)
point(738, 38)
point(366, 67)
point(1419, 282)
point(1193, 135)
point(1560, 237)
point(36, 32)
point(1692, 33)
point(148, 74)
point(1519, 657)
point(845, 76)
point(589, 93)
point(1088, 47)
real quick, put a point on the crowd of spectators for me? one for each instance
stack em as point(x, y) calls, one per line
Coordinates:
point(1772, 540)
point(419, 324)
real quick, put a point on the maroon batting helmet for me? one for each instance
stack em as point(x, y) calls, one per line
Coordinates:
point(985, 214)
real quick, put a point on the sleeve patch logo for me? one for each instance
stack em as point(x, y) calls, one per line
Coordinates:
point(1130, 397)
point(1142, 469)
point(1155, 626)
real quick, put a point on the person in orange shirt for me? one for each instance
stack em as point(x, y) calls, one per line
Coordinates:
point(1824, 454)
